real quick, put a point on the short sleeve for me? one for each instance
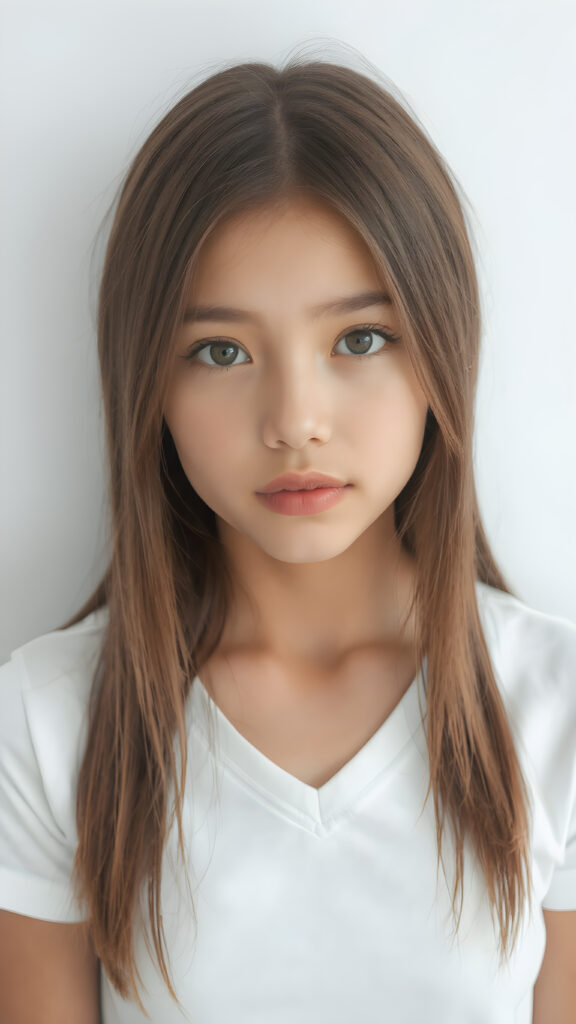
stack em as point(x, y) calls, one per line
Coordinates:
point(561, 893)
point(36, 855)
point(561, 774)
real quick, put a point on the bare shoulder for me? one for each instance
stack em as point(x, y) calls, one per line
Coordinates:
point(48, 971)
point(555, 988)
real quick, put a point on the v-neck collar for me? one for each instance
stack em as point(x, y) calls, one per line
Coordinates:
point(316, 809)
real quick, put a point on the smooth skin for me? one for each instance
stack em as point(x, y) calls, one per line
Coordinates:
point(319, 618)
point(555, 988)
point(296, 396)
point(49, 973)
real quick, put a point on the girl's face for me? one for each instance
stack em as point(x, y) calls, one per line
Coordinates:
point(271, 385)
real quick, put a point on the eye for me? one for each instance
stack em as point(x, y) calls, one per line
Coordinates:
point(361, 339)
point(222, 353)
point(225, 353)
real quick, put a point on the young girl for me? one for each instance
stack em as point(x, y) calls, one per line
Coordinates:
point(303, 685)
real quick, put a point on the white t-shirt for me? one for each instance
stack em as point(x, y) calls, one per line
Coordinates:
point(314, 906)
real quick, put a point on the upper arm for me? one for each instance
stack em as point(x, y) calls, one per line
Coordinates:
point(555, 988)
point(48, 972)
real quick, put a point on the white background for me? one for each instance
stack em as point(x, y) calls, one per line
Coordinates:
point(82, 85)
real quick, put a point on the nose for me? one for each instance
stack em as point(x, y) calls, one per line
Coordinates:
point(295, 405)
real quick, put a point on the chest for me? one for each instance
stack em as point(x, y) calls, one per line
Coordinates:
point(310, 722)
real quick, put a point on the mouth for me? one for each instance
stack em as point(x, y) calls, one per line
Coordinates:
point(310, 481)
point(303, 490)
point(304, 502)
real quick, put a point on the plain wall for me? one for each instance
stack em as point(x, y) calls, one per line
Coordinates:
point(82, 85)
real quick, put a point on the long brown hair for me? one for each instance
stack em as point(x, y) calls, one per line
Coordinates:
point(247, 135)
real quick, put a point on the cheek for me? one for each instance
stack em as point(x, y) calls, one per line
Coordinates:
point(206, 432)
point(212, 431)
point(386, 442)
point(390, 423)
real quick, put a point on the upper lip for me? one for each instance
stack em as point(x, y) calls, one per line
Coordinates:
point(300, 482)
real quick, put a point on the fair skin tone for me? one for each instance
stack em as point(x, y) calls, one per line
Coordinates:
point(319, 617)
point(555, 988)
point(325, 622)
point(294, 399)
point(48, 972)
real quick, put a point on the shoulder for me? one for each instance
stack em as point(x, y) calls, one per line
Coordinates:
point(506, 611)
point(50, 679)
point(534, 661)
point(533, 653)
point(44, 695)
point(59, 654)
point(533, 656)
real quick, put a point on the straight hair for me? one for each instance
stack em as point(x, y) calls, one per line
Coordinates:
point(252, 135)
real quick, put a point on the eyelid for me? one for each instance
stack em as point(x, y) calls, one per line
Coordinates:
point(198, 346)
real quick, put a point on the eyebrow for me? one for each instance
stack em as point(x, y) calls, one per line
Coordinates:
point(344, 305)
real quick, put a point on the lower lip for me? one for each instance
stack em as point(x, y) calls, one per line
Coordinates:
point(303, 503)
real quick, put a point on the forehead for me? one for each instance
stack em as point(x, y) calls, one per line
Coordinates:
point(302, 239)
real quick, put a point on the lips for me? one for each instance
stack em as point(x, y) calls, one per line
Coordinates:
point(300, 482)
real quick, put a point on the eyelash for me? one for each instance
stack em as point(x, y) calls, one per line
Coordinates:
point(368, 328)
